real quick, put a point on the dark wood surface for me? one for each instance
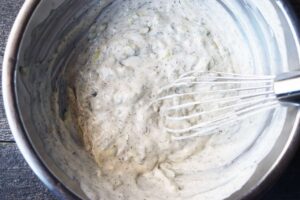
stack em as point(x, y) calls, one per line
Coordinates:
point(17, 181)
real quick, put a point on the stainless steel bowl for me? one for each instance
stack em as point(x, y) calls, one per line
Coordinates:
point(33, 77)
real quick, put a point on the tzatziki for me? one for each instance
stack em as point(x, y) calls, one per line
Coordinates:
point(133, 49)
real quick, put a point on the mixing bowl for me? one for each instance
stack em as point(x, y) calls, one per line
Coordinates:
point(34, 79)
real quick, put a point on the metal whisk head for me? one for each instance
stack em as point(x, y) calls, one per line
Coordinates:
point(201, 103)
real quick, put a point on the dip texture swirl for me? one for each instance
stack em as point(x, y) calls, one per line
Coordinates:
point(133, 49)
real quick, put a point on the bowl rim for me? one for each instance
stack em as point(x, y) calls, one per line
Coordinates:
point(23, 142)
point(10, 103)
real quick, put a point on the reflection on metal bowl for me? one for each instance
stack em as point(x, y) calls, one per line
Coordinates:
point(33, 77)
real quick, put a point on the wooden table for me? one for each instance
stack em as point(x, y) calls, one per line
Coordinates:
point(17, 181)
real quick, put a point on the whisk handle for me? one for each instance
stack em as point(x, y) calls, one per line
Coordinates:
point(287, 87)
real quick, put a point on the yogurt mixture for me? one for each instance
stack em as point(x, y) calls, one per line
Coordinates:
point(133, 49)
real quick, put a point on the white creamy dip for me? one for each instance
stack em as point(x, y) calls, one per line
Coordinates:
point(133, 49)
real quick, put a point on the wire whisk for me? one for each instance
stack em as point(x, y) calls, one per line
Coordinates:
point(202, 103)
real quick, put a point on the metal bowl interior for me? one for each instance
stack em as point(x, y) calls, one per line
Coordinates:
point(34, 77)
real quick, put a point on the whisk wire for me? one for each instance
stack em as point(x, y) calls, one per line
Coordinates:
point(209, 130)
point(227, 98)
point(231, 107)
point(222, 100)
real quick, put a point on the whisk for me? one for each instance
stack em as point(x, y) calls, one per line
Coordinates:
point(201, 103)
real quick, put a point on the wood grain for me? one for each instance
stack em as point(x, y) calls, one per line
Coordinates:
point(17, 181)
point(8, 11)
point(5, 133)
